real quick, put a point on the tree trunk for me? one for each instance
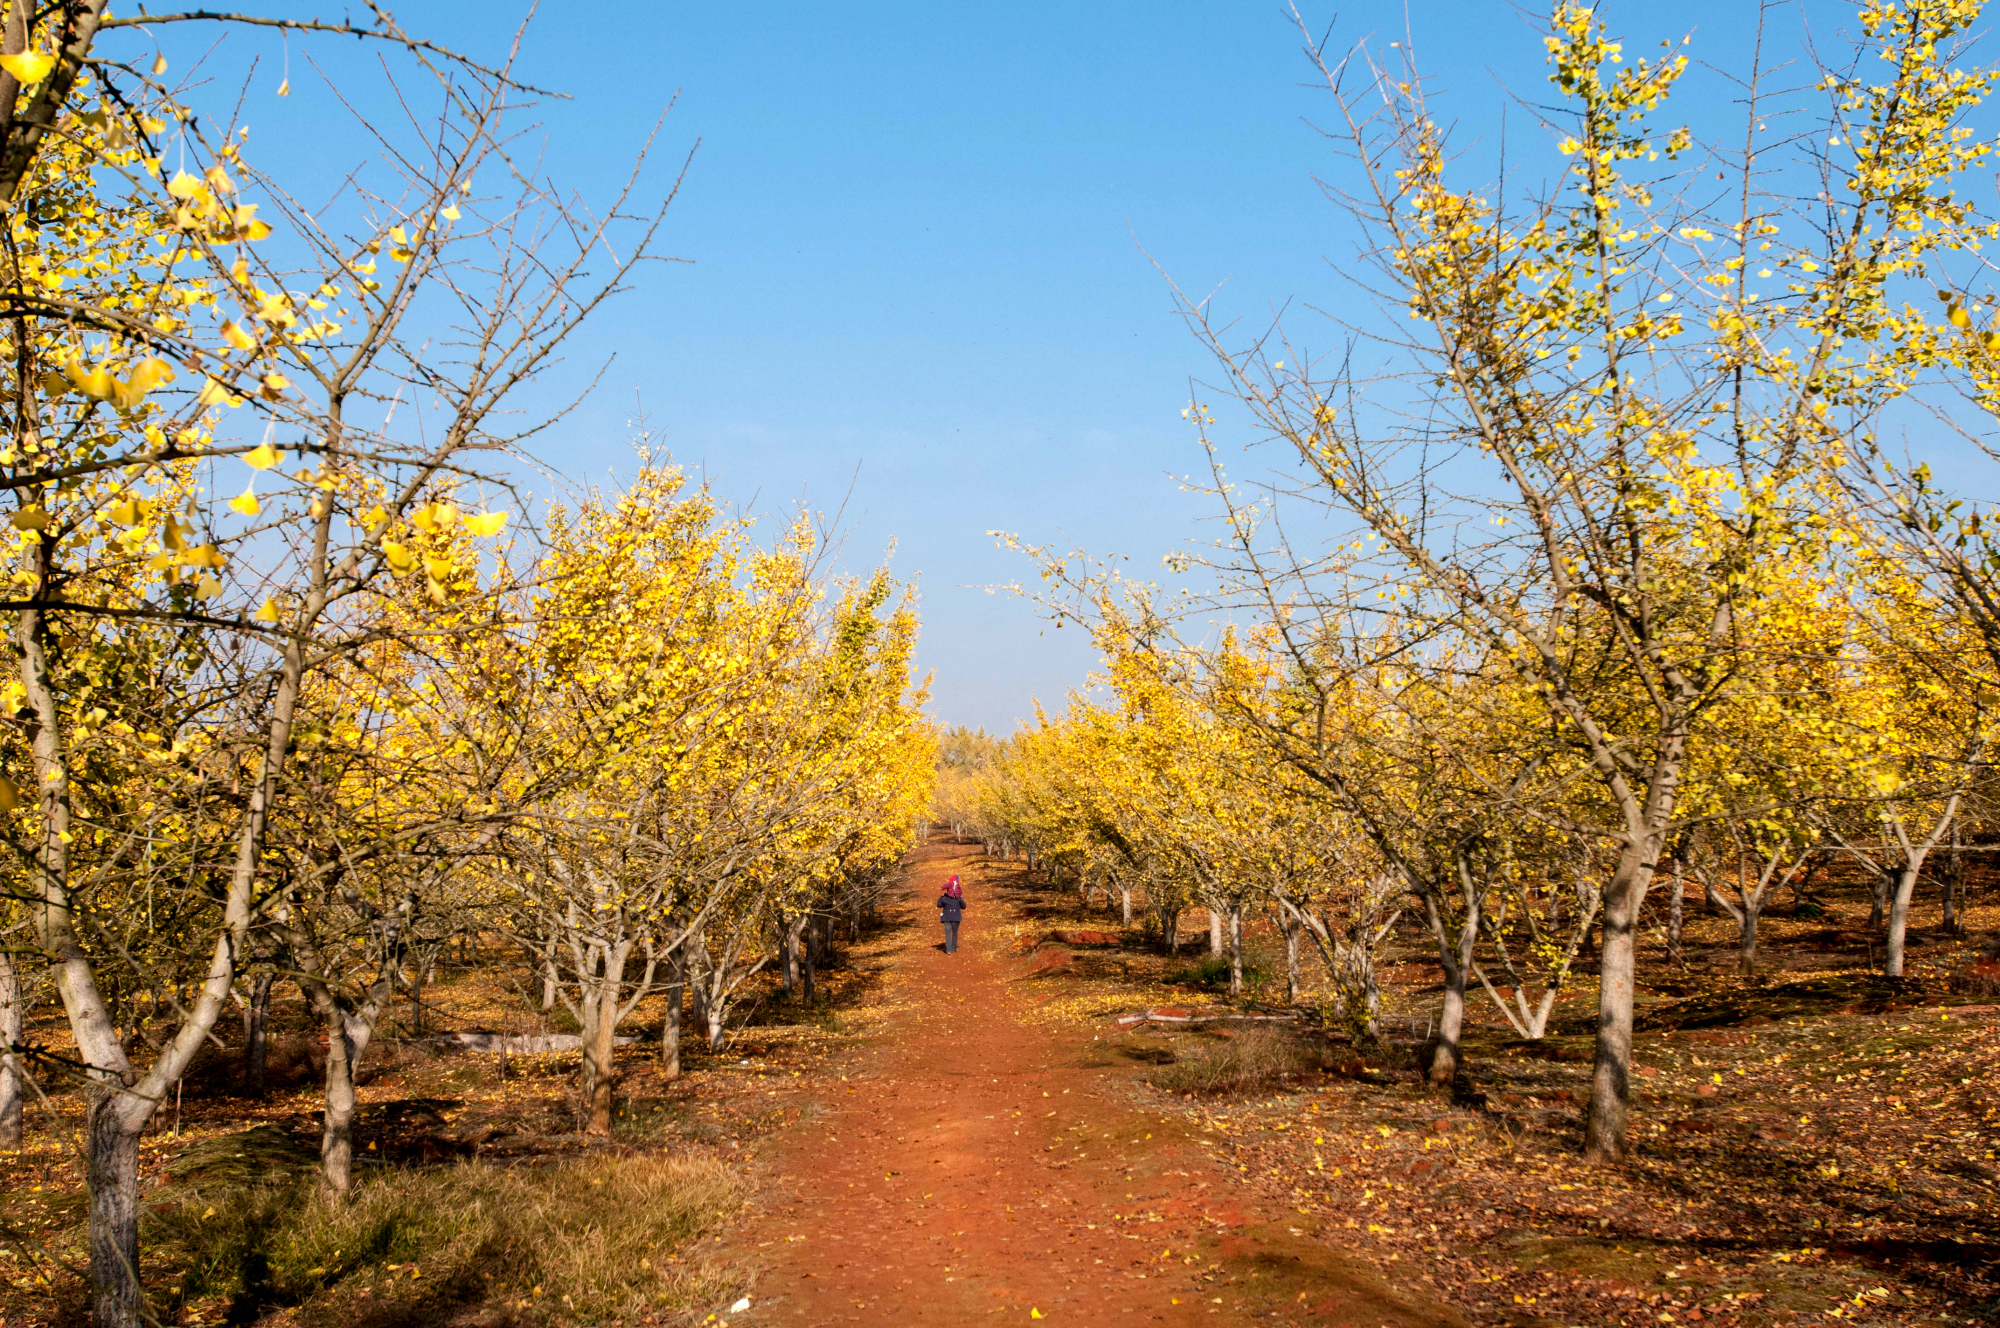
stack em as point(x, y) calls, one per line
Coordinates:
point(1676, 913)
point(417, 976)
point(256, 1032)
point(600, 1027)
point(1235, 948)
point(1609, 1113)
point(549, 983)
point(1954, 886)
point(1125, 899)
point(792, 929)
point(1291, 926)
point(670, 1025)
point(809, 971)
point(696, 969)
point(116, 1300)
point(343, 1059)
point(1214, 934)
point(1746, 935)
point(1450, 1029)
point(10, 1065)
point(1899, 918)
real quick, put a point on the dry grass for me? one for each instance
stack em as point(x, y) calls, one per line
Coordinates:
point(579, 1242)
point(1249, 1062)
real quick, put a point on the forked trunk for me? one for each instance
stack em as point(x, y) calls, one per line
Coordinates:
point(1455, 957)
point(1906, 884)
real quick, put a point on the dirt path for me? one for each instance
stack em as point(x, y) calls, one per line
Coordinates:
point(980, 1169)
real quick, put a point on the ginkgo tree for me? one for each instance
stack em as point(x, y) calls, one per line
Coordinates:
point(165, 344)
point(750, 745)
point(1665, 390)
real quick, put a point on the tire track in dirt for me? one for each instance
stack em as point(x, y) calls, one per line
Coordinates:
point(978, 1170)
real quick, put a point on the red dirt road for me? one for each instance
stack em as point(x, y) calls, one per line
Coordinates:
point(981, 1169)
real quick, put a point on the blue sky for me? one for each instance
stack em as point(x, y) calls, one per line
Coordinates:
point(918, 241)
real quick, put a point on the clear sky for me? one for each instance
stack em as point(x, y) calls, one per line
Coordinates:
point(918, 240)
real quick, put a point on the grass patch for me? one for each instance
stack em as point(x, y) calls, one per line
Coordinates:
point(1212, 973)
point(1249, 1062)
point(579, 1242)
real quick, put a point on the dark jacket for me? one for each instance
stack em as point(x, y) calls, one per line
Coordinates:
point(952, 907)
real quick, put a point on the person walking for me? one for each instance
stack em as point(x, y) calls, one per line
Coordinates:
point(951, 908)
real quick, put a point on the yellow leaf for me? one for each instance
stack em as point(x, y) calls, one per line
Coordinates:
point(1034, 1313)
point(396, 233)
point(184, 185)
point(401, 560)
point(10, 796)
point(268, 613)
point(285, 88)
point(213, 393)
point(29, 66)
point(96, 383)
point(1960, 319)
point(204, 555)
point(237, 337)
point(171, 535)
point(159, 64)
point(263, 456)
point(274, 386)
point(433, 517)
point(146, 375)
point(246, 502)
point(30, 518)
point(207, 588)
point(402, 254)
point(450, 213)
point(485, 523)
point(130, 513)
point(439, 568)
